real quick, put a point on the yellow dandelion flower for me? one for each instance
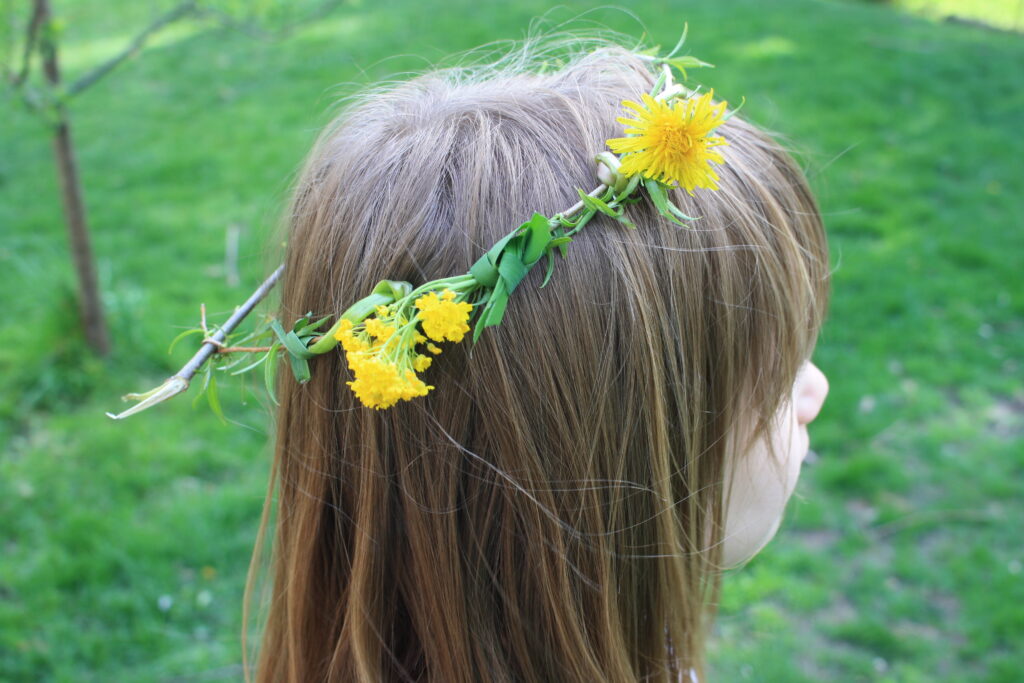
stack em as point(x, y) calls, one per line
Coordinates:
point(442, 317)
point(433, 348)
point(421, 362)
point(673, 143)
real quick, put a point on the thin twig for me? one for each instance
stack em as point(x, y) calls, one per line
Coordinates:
point(31, 31)
point(253, 30)
point(179, 12)
point(207, 339)
point(178, 382)
point(578, 206)
point(242, 349)
point(207, 349)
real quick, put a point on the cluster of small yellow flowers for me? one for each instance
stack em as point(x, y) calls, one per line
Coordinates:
point(443, 318)
point(382, 354)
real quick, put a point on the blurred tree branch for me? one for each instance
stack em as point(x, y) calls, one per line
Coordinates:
point(181, 11)
point(48, 97)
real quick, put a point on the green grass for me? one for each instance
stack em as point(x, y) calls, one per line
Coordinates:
point(1003, 14)
point(126, 544)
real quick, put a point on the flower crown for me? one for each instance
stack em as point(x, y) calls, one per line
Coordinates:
point(393, 334)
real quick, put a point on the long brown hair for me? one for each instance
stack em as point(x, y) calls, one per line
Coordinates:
point(552, 511)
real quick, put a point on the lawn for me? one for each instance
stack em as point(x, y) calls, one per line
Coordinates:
point(126, 544)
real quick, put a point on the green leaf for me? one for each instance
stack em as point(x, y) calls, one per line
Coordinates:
point(485, 270)
point(498, 294)
point(250, 366)
point(496, 307)
point(270, 372)
point(181, 336)
point(729, 114)
point(366, 306)
point(538, 235)
point(658, 195)
point(207, 376)
point(512, 270)
point(631, 186)
point(682, 39)
point(300, 368)
point(684, 63)
point(214, 400)
point(550, 269)
point(310, 328)
point(625, 221)
point(296, 347)
point(597, 205)
point(396, 289)
point(582, 221)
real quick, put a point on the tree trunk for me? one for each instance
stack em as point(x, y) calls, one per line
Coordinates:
point(90, 307)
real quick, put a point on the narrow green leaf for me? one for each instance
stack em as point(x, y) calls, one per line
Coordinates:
point(250, 366)
point(625, 221)
point(675, 209)
point(181, 336)
point(582, 221)
point(684, 63)
point(497, 312)
point(270, 372)
point(597, 204)
point(550, 269)
point(300, 368)
point(311, 327)
point(682, 39)
point(658, 195)
point(207, 375)
point(214, 400)
point(296, 347)
point(631, 186)
point(487, 316)
point(365, 307)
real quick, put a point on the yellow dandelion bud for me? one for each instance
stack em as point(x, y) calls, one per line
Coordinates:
point(443, 318)
point(433, 348)
point(422, 362)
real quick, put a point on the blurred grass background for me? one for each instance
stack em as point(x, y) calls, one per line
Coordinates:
point(126, 544)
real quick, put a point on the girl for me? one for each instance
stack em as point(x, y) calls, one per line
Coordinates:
point(560, 506)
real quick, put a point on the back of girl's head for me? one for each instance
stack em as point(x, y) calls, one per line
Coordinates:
point(552, 511)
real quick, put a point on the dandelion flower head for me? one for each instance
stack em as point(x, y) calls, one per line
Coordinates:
point(672, 142)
